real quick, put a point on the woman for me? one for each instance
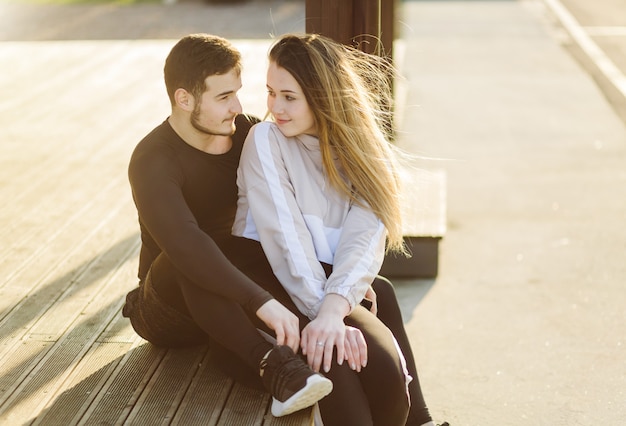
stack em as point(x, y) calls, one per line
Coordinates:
point(319, 190)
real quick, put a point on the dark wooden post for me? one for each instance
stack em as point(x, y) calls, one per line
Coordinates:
point(365, 24)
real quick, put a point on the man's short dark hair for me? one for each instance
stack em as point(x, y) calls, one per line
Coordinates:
point(196, 57)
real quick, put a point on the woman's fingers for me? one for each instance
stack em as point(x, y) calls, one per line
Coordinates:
point(355, 359)
point(328, 355)
point(358, 348)
point(320, 337)
point(319, 351)
point(312, 345)
point(316, 356)
point(351, 355)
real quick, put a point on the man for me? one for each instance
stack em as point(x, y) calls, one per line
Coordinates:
point(183, 178)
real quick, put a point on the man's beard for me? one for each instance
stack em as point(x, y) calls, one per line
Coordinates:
point(195, 122)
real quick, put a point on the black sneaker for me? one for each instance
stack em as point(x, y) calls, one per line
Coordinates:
point(290, 381)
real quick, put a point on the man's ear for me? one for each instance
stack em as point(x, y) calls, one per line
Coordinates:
point(184, 99)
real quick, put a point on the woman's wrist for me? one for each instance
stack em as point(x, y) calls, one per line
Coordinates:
point(334, 305)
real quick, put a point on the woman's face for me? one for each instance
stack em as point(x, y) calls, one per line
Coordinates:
point(287, 103)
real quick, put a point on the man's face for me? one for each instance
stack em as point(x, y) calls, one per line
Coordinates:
point(214, 113)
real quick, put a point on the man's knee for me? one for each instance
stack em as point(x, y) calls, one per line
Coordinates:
point(158, 322)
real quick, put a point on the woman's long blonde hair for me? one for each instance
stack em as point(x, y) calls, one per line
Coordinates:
point(349, 93)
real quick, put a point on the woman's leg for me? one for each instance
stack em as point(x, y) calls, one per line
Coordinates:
point(384, 379)
point(347, 404)
point(389, 313)
point(375, 396)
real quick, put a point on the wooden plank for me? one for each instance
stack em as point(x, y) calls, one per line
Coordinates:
point(77, 331)
point(81, 389)
point(34, 290)
point(14, 368)
point(299, 418)
point(424, 202)
point(424, 224)
point(245, 406)
point(159, 400)
point(124, 386)
point(86, 383)
point(58, 260)
point(205, 398)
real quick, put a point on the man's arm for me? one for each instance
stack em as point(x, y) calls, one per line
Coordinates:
point(156, 181)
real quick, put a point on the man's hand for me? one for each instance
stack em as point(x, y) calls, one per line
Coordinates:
point(284, 323)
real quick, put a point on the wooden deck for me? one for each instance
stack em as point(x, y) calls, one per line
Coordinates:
point(71, 114)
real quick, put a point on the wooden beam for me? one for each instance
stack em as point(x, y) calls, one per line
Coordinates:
point(365, 24)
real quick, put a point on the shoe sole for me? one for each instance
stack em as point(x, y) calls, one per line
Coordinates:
point(316, 388)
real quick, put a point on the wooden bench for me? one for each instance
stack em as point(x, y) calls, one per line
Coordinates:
point(424, 224)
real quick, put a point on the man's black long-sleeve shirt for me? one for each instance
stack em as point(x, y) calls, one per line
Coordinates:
point(186, 201)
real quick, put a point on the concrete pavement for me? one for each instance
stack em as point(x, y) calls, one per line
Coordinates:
point(595, 33)
point(525, 322)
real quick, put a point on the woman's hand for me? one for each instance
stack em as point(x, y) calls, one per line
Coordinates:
point(370, 295)
point(319, 338)
point(284, 323)
point(326, 332)
point(356, 348)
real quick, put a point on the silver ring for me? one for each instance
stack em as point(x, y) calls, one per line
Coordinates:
point(320, 343)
